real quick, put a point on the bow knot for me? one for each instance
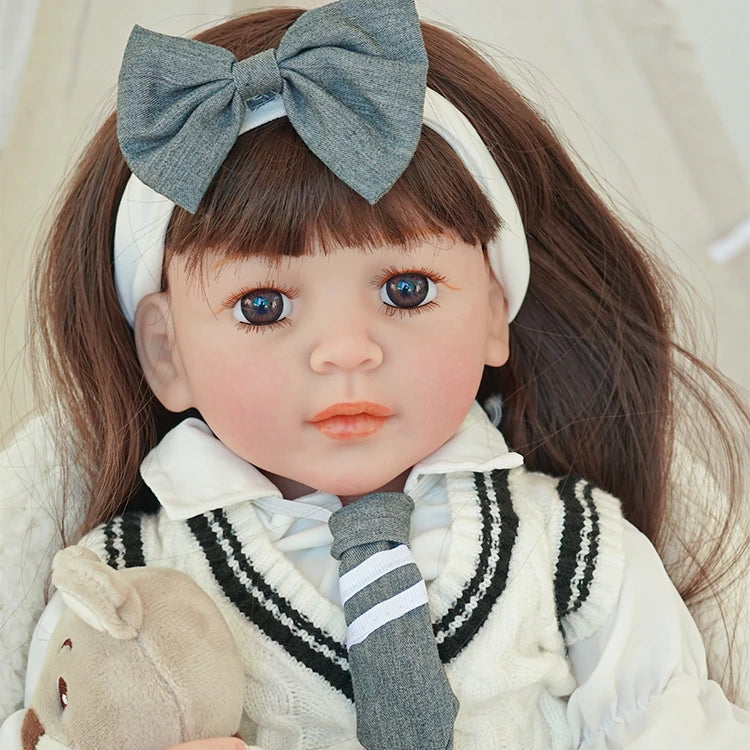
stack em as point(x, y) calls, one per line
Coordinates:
point(257, 78)
point(352, 77)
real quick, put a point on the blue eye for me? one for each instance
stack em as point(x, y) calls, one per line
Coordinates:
point(406, 290)
point(262, 307)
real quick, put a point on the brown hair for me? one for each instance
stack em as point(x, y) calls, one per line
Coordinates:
point(594, 374)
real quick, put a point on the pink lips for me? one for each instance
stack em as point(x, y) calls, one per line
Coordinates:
point(352, 420)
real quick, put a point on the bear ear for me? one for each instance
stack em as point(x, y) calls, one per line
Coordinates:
point(101, 596)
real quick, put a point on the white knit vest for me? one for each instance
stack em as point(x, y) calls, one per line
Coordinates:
point(535, 565)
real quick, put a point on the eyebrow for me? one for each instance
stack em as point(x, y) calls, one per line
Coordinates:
point(269, 261)
point(275, 261)
point(219, 263)
point(225, 260)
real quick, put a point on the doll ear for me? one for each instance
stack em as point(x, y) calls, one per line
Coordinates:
point(101, 596)
point(158, 352)
point(496, 352)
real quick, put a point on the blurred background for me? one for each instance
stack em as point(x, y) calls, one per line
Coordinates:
point(652, 97)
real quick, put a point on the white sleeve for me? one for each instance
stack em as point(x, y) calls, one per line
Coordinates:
point(642, 680)
point(29, 537)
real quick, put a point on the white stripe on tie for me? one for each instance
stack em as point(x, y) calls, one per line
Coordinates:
point(371, 569)
point(385, 612)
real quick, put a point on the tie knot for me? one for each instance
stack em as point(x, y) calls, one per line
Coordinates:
point(257, 78)
point(378, 517)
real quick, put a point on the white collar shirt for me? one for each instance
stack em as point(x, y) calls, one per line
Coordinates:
point(191, 472)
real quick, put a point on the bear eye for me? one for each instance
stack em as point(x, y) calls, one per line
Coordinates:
point(62, 690)
point(67, 642)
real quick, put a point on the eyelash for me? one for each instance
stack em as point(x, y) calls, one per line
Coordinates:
point(267, 328)
point(389, 273)
point(402, 312)
point(377, 283)
point(230, 302)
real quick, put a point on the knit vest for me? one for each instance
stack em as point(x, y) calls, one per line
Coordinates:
point(535, 565)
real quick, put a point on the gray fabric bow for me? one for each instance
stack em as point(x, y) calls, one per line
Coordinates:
point(352, 76)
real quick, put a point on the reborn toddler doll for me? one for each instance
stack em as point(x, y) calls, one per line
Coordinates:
point(289, 274)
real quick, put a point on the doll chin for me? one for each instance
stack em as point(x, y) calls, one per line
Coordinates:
point(353, 490)
point(348, 488)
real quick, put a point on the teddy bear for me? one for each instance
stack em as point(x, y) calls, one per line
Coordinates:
point(141, 659)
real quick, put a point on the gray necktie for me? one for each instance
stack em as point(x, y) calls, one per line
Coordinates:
point(401, 692)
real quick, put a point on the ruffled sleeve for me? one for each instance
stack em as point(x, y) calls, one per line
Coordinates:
point(642, 678)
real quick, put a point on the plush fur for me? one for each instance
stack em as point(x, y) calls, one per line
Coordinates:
point(142, 659)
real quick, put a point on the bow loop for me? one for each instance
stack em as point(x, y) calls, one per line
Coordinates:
point(352, 76)
point(257, 78)
point(172, 92)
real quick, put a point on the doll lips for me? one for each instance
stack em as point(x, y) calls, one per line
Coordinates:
point(350, 421)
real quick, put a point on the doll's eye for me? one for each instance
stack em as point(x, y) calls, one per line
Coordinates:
point(62, 691)
point(262, 307)
point(407, 290)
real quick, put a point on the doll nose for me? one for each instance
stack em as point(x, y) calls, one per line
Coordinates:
point(345, 345)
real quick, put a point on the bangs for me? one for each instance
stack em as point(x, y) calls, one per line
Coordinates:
point(273, 197)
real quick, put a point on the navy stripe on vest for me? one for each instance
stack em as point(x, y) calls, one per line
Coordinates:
point(123, 541)
point(499, 528)
point(110, 537)
point(579, 545)
point(132, 540)
point(237, 577)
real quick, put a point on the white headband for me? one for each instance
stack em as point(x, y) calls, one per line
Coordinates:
point(144, 214)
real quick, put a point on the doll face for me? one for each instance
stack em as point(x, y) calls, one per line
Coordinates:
point(335, 371)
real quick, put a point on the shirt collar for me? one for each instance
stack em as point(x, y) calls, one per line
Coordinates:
point(177, 469)
point(477, 445)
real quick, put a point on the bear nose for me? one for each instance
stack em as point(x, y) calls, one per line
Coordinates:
point(31, 730)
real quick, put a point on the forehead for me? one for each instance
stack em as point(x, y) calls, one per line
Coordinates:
point(215, 263)
point(274, 197)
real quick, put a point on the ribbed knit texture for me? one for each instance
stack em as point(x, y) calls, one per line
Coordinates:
point(528, 572)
